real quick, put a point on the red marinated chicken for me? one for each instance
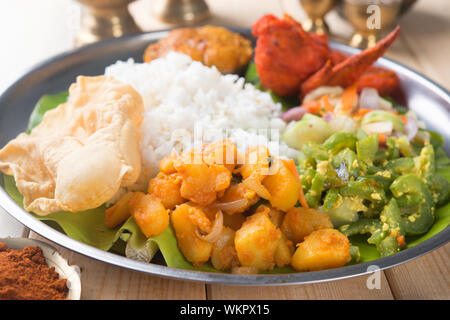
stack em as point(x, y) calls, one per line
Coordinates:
point(285, 55)
point(292, 62)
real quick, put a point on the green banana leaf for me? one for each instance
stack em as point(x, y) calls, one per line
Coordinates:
point(44, 104)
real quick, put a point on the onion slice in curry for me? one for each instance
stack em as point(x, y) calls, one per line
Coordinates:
point(215, 232)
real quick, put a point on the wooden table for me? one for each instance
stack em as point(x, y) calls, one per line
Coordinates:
point(423, 45)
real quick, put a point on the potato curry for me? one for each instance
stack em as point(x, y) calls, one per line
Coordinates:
point(241, 212)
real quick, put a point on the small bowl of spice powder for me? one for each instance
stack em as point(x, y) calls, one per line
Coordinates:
point(34, 270)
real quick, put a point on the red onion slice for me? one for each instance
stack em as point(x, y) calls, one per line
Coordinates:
point(294, 114)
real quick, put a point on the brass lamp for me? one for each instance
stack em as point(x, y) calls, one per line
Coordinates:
point(370, 19)
point(316, 10)
point(102, 19)
point(181, 12)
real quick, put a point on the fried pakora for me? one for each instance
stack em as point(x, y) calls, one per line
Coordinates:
point(215, 46)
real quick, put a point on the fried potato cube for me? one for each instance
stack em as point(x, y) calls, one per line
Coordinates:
point(149, 213)
point(167, 189)
point(322, 249)
point(167, 164)
point(223, 152)
point(299, 222)
point(196, 250)
point(257, 241)
point(201, 182)
point(238, 192)
point(284, 252)
point(283, 186)
point(223, 253)
point(256, 162)
point(119, 212)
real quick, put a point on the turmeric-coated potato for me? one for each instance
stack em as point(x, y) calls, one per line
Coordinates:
point(257, 241)
point(149, 213)
point(283, 187)
point(239, 192)
point(195, 250)
point(322, 249)
point(223, 152)
point(167, 189)
point(299, 222)
point(167, 164)
point(201, 182)
point(256, 162)
point(223, 253)
point(284, 252)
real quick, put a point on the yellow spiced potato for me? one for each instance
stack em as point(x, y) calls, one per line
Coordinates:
point(257, 241)
point(223, 253)
point(183, 220)
point(149, 213)
point(322, 249)
point(284, 252)
point(201, 182)
point(167, 189)
point(255, 169)
point(223, 152)
point(299, 222)
point(283, 186)
point(238, 192)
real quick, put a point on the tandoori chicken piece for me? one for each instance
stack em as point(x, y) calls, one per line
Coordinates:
point(290, 61)
point(285, 55)
point(211, 45)
point(346, 71)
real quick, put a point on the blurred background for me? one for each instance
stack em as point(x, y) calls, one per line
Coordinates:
point(33, 30)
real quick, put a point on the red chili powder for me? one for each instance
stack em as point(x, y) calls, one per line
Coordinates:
point(24, 275)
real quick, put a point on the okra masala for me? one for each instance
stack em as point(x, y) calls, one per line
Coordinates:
point(310, 161)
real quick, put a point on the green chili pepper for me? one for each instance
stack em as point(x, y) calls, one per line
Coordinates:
point(424, 164)
point(365, 190)
point(339, 141)
point(404, 146)
point(350, 160)
point(400, 165)
point(421, 219)
point(393, 151)
point(388, 246)
point(354, 254)
point(315, 151)
point(330, 198)
point(314, 194)
point(362, 226)
point(440, 189)
point(367, 148)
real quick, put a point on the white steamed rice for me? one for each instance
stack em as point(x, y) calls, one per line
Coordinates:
point(183, 97)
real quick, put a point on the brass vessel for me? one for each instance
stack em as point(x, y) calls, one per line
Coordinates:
point(316, 11)
point(102, 19)
point(181, 12)
point(371, 18)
